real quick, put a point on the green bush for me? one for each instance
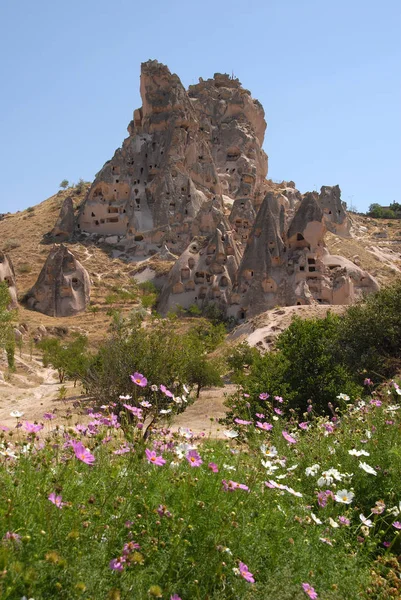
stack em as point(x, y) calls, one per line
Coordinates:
point(70, 359)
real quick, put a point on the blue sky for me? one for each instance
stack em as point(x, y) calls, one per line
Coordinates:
point(327, 73)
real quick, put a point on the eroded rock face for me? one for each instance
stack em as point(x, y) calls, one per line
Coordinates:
point(63, 286)
point(287, 263)
point(65, 224)
point(155, 185)
point(7, 274)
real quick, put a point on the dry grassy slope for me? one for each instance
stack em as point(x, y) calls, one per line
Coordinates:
point(381, 256)
point(21, 236)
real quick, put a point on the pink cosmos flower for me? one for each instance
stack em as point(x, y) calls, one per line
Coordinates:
point(309, 591)
point(4, 428)
point(344, 521)
point(397, 524)
point(265, 426)
point(242, 422)
point(194, 459)
point(56, 500)
point(260, 415)
point(367, 381)
point(166, 392)
point(32, 427)
point(11, 536)
point(374, 402)
point(303, 425)
point(139, 379)
point(175, 597)
point(82, 453)
point(213, 467)
point(49, 416)
point(323, 496)
point(230, 486)
point(264, 396)
point(122, 450)
point(246, 395)
point(288, 437)
point(134, 410)
point(117, 564)
point(279, 399)
point(153, 458)
point(278, 411)
point(244, 572)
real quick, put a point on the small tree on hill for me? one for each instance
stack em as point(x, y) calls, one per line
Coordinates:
point(64, 184)
point(7, 340)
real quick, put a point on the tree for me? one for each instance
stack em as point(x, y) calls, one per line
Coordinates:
point(7, 340)
point(64, 184)
point(69, 359)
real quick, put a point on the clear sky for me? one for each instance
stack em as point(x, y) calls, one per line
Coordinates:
point(326, 71)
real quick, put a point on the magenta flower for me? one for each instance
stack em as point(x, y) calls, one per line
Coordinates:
point(344, 521)
point(175, 597)
point(260, 415)
point(154, 459)
point(288, 437)
point(83, 453)
point(134, 410)
point(139, 379)
point(213, 467)
point(194, 459)
point(367, 381)
point(303, 425)
point(309, 591)
point(32, 427)
point(264, 396)
point(12, 537)
point(242, 422)
point(56, 500)
point(117, 564)
point(230, 486)
point(397, 524)
point(166, 392)
point(323, 496)
point(278, 411)
point(279, 399)
point(244, 572)
point(265, 426)
point(49, 416)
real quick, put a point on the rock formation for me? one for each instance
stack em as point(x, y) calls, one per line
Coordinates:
point(63, 286)
point(7, 274)
point(190, 180)
point(64, 227)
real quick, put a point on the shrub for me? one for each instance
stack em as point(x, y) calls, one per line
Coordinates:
point(24, 268)
point(69, 359)
point(64, 184)
point(11, 244)
point(7, 340)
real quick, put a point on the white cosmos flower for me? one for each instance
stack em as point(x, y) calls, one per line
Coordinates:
point(355, 452)
point(165, 411)
point(271, 452)
point(9, 453)
point(177, 399)
point(182, 449)
point(328, 477)
point(186, 389)
point(344, 497)
point(229, 468)
point(269, 466)
point(393, 408)
point(292, 468)
point(231, 434)
point(293, 492)
point(16, 413)
point(316, 519)
point(333, 524)
point(365, 521)
point(395, 510)
point(127, 397)
point(398, 391)
point(186, 432)
point(343, 397)
point(311, 471)
point(367, 468)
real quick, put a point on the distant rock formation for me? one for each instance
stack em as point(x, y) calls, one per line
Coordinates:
point(63, 230)
point(7, 274)
point(63, 286)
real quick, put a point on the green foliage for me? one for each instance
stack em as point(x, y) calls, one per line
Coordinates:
point(377, 211)
point(370, 334)
point(240, 358)
point(166, 355)
point(64, 184)
point(7, 340)
point(30, 209)
point(194, 310)
point(80, 186)
point(70, 359)
point(24, 268)
point(11, 244)
point(191, 533)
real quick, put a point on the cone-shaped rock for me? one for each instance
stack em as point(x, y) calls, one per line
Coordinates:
point(64, 227)
point(63, 286)
point(7, 274)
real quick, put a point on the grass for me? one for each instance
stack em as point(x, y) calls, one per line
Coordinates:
point(192, 534)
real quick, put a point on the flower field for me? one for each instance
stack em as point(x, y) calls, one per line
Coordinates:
point(282, 508)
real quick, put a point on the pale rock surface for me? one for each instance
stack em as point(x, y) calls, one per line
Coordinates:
point(63, 286)
point(7, 274)
point(65, 224)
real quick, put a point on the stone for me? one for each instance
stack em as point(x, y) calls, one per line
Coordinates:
point(111, 239)
point(18, 335)
point(334, 210)
point(63, 286)
point(7, 274)
point(65, 224)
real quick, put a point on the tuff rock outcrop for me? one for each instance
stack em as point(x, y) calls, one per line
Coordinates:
point(63, 230)
point(63, 286)
point(190, 180)
point(7, 274)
